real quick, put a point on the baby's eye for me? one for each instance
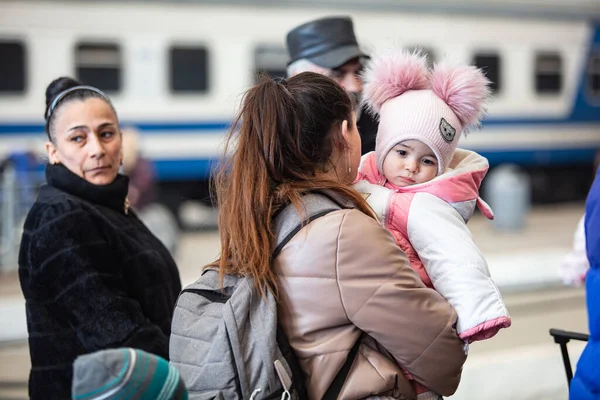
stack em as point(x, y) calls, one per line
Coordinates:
point(401, 152)
point(428, 161)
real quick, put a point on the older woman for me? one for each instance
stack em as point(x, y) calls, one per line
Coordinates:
point(341, 274)
point(92, 274)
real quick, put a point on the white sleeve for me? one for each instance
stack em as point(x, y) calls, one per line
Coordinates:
point(455, 264)
point(575, 265)
point(378, 197)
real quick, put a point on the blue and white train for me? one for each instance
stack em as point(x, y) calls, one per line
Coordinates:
point(177, 70)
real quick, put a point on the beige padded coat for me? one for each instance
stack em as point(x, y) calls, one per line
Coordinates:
point(342, 274)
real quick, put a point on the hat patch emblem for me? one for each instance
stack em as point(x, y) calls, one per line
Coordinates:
point(447, 131)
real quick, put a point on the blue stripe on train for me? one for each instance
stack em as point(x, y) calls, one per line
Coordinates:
point(200, 169)
point(541, 157)
point(185, 169)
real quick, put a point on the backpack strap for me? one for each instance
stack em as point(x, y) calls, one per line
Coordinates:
point(290, 357)
point(335, 388)
point(287, 223)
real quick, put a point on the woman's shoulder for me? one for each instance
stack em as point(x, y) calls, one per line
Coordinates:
point(57, 223)
point(345, 216)
point(351, 240)
point(345, 226)
point(54, 206)
point(346, 239)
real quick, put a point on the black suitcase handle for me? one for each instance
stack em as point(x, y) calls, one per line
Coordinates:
point(562, 338)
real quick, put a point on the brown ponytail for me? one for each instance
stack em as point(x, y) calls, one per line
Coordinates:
point(283, 137)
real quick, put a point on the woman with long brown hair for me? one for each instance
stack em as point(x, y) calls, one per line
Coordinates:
point(341, 274)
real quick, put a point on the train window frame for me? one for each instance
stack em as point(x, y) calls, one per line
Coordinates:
point(593, 70)
point(104, 71)
point(18, 87)
point(496, 86)
point(542, 72)
point(262, 53)
point(201, 87)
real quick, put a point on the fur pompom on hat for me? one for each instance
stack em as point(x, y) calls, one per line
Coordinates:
point(391, 74)
point(414, 103)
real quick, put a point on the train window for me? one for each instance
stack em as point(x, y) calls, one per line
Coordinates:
point(594, 75)
point(548, 73)
point(271, 60)
point(99, 65)
point(490, 64)
point(189, 69)
point(429, 53)
point(12, 67)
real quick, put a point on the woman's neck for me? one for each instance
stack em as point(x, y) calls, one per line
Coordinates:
point(334, 172)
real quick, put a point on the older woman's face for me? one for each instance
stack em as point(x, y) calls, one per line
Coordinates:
point(87, 140)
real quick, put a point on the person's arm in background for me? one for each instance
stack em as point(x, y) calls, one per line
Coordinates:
point(142, 182)
point(574, 266)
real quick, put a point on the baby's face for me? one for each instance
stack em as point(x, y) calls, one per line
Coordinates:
point(410, 162)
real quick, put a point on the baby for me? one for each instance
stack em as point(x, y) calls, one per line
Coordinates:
point(424, 189)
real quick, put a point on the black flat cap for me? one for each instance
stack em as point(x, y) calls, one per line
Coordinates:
point(328, 42)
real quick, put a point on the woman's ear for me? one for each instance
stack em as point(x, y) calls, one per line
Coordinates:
point(346, 133)
point(52, 154)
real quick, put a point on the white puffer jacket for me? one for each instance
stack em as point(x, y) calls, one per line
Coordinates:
point(428, 221)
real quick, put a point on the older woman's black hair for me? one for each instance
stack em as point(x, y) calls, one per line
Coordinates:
point(58, 86)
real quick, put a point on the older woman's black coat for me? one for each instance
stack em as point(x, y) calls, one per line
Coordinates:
point(93, 277)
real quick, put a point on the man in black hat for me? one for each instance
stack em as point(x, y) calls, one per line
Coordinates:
point(328, 46)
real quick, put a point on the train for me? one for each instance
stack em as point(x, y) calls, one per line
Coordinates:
point(176, 72)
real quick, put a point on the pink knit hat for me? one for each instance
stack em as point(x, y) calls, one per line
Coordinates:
point(413, 103)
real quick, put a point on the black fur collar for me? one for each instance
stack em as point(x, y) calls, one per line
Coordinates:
point(113, 195)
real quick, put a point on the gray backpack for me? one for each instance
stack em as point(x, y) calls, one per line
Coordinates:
point(227, 344)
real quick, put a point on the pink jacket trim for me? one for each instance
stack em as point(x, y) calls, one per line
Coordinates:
point(486, 330)
point(459, 183)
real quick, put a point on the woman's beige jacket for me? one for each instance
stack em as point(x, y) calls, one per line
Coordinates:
point(342, 274)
